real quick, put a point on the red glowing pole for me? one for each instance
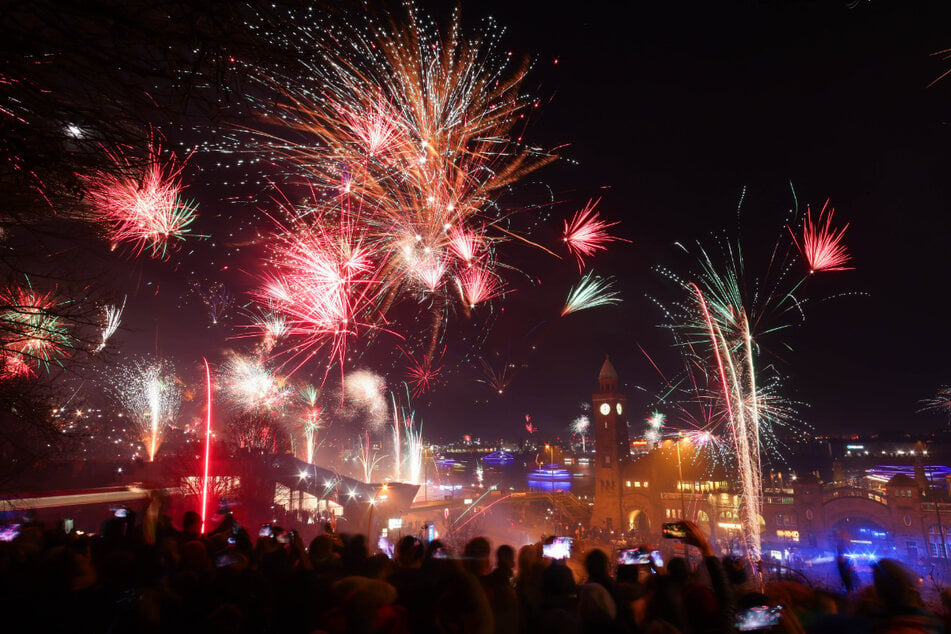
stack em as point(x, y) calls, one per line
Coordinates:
point(204, 482)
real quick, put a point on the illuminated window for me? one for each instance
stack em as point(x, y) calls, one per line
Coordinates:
point(628, 483)
point(637, 484)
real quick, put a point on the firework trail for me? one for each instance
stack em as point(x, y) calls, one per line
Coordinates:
point(720, 327)
point(204, 480)
point(592, 291)
point(141, 204)
point(397, 442)
point(251, 386)
point(414, 449)
point(368, 457)
point(311, 420)
point(151, 397)
point(497, 378)
point(412, 434)
point(113, 317)
point(821, 246)
point(406, 135)
point(586, 233)
point(31, 331)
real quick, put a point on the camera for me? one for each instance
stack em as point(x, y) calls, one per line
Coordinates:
point(674, 530)
point(9, 532)
point(760, 617)
point(633, 557)
point(559, 548)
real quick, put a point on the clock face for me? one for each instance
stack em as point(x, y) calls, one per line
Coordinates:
point(619, 409)
point(605, 409)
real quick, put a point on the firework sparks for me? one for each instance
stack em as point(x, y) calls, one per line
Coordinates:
point(31, 331)
point(409, 140)
point(421, 376)
point(464, 243)
point(940, 402)
point(477, 285)
point(326, 286)
point(113, 317)
point(216, 298)
point(141, 204)
point(151, 397)
point(311, 420)
point(368, 457)
point(822, 246)
point(414, 449)
point(251, 386)
point(366, 393)
point(586, 233)
point(580, 427)
point(497, 378)
point(719, 327)
point(592, 291)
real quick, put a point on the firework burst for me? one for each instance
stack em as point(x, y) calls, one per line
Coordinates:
point(406, 136)
point(586, 233)
point(421, 376)
point(721, 325)
point(251, 386)
point(592, 291)
point(141, 203)
point(822, 246)
point(32, 333)
point(580, 427)
point(150, 396)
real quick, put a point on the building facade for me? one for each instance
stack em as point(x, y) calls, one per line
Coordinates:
point(904, 517)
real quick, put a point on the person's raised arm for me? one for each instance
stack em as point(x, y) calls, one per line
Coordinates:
point(721, 586)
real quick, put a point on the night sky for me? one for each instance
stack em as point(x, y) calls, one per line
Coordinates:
point(668, 112)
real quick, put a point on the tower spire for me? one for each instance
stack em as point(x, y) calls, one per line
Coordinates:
point(607, 378)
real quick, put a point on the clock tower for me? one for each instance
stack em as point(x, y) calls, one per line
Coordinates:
point(613, 449)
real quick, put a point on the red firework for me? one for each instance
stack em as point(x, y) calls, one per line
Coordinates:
point(377, 128)
point(478, 285)
point(31, 333)
point(421, 376)
point(141, 204)
point(326, 283)
point(822, 246)
point(586, 233)
point(464, 243)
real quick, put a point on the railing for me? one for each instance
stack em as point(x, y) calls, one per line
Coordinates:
point(853, 492)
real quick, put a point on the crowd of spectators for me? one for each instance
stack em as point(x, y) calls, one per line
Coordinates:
point(150, 577)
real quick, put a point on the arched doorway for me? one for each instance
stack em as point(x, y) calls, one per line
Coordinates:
point(862, 539)
point(703, 521)
point(638, 522)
